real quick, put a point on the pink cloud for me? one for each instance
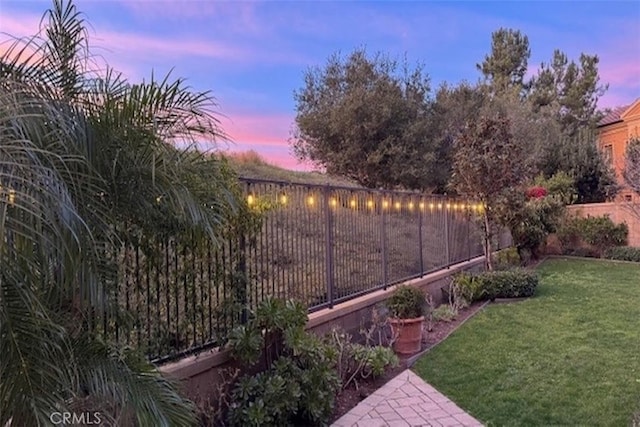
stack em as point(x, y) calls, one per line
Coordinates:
point(123, 49)
point(613, 99)
point(264, 133)
point(239, 17)
point(268, 128)
point(267, 134)
point(621, 70)
point(20, 25)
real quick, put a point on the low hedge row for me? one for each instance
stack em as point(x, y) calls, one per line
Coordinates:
point(623, 253)
point(514, 283)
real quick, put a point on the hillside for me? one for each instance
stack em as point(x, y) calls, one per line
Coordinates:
point(251, 165)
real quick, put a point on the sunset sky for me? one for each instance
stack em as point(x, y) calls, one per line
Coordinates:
point(252, 55)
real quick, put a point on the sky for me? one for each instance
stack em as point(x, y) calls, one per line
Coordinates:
point(252, 55)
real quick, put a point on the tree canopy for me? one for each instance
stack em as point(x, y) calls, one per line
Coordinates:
point(487, 164)
point(631, 172)
point(569, 90)
point(372, 119)
point(505, 67)
point(368, 118)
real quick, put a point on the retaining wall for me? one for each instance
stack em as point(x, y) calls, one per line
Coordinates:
point(200, 373)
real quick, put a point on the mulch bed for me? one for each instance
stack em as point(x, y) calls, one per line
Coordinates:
point(349, 398)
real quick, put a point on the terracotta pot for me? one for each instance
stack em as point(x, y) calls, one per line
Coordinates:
point(408, 333)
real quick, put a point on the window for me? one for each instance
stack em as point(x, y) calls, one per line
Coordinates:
point(607, 153)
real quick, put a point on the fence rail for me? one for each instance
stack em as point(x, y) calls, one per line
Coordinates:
point(318, 244)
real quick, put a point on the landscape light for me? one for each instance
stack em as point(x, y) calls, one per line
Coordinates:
point(12, 196)
point(448, 206)
point(370, 204)
point(421, 205)
point(250, 199)
point(398, 205)
point(385, 204)
point(431, 206)
point(283, 198)
point(410, 205)
point(353, 203)
point(333, 202)
point(310, 200)
point(439, 206)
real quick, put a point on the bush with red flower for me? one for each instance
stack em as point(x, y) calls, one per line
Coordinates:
point(536, 192)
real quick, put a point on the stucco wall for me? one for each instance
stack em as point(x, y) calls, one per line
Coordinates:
point(619, 212)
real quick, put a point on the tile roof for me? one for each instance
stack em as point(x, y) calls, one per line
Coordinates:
point(613, 116)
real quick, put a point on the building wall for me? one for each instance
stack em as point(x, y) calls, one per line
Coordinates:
point(619, 212)
point(617, 135)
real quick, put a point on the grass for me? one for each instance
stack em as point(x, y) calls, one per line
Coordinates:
point(568, 356)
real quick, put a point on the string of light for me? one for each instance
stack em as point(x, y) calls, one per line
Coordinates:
point(351, 202)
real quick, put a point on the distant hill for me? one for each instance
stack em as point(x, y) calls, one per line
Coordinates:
point(250, 164)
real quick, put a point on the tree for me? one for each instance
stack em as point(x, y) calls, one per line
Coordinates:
point(487, 164)
point(454, 107)
point(578, 156)
point(85, 160)
point(506, 65)
point(569, 90)
point(369, 119)
point(631, 172)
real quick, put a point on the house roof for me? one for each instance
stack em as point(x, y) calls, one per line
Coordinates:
point(614, 116)
point(618, 114)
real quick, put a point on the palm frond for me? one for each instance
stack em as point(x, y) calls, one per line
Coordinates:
point(122, 380)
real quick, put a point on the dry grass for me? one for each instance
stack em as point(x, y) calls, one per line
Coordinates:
point(250, 164)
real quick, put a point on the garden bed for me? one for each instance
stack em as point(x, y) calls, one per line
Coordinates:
point(350, 397)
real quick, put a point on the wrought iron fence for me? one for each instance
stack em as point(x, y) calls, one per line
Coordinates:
point(318, 244)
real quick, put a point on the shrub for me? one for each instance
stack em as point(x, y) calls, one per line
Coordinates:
point(623, 253)
point(356, 361)
point(506, 259)
point(561, 186)
point(536, 192)
point(530, 217)
point(407, 302)
point(444, 313)
point(515, 283)
point(600, 232)
point(298, 382)
point(468, 285)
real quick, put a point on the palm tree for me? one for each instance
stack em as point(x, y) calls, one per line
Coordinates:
point(86, 160)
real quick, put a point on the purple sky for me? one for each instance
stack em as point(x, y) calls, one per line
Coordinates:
point(252, 55)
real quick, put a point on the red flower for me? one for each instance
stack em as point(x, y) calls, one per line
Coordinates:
point(536, 192)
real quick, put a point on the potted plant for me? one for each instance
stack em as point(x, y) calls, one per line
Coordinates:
point(407, 308)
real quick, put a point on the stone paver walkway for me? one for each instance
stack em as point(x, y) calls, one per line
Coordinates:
point(406, 401)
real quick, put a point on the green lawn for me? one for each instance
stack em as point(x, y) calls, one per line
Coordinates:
point(568, 356)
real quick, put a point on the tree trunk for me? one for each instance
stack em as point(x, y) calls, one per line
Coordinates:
point(487, 242)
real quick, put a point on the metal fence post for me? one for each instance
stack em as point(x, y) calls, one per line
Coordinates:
point(242, 277)
point(468, 236)
point(420, 240)
point(446, 233)
point(328, 237)
point(383, 232)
